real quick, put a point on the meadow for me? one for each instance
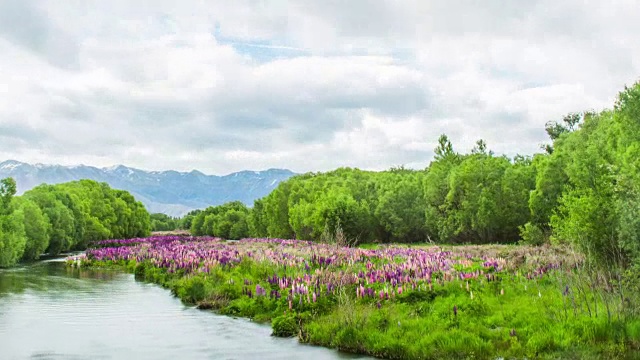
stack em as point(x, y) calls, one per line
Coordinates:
point(397, 301)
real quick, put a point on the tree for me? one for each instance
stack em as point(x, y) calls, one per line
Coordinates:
point(80, 212)
point(480, 148)
point(436, 187)
point(12, 238)
point(473, 209)
point(7, 192)
point(228, 221)
point(163, 222)
point(187, 220)
point(444, 148)
point(12, 234)
point(400, 209)
point(598, 208)
point(37, 229)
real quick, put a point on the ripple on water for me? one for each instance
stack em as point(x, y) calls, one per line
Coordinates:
point(50, 312)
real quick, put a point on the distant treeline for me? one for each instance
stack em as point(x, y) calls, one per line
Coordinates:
point(584, 188)
point(56, 218)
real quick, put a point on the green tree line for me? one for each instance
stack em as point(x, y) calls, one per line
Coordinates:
point(472, 198)
point(583, 188)
point(56, 218)
point(164, 222)
point(229, 221)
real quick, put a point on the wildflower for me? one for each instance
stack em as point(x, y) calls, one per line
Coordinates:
point(502, 291)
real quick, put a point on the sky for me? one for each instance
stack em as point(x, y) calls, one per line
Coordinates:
point(223, 86)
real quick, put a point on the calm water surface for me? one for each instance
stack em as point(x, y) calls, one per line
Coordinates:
point(49, 311)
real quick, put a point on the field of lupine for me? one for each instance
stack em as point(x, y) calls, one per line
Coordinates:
point(394, 301)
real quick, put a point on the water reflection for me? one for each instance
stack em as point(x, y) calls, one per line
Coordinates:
point(53, 276)
point(49, 311)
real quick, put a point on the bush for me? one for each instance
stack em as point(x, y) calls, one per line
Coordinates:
point(285, 326)
point(192, 290)
point(531, 234)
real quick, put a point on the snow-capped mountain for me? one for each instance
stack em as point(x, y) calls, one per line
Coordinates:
point(170, 192)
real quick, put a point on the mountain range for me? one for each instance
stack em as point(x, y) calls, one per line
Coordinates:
point(171, 192)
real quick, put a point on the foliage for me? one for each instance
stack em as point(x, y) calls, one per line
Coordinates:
point(63, 217)
point(228, 221)
point(476, 198)
point(12, 233)
point(532, 234)
point(164, 222)
point(597, 210)
point(37, 229)
point(186, 221)
point(285, 325)
point(12, 236)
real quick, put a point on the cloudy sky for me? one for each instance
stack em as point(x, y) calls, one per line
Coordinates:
point(222, 86)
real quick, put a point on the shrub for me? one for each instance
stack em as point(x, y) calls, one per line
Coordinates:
point(285, 326)
point(532, 234)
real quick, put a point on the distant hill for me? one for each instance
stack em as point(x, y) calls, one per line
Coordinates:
point(170, 192)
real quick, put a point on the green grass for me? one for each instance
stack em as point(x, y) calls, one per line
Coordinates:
point(510, 318)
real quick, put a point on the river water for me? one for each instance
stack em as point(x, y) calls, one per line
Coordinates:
point(49, 311)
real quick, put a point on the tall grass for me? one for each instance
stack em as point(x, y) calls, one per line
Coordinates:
point(540, 302)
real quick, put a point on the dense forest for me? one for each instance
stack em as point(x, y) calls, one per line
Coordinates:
point(583, 189)
point(164, 222)
point(56, 218)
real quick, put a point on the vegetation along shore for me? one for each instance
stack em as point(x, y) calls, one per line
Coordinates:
point(397, 302)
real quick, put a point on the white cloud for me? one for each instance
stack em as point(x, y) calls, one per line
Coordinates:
point(226, 86)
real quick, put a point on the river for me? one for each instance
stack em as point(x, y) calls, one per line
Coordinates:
point(50, 311)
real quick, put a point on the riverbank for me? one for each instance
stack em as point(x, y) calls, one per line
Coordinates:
point(395, 302)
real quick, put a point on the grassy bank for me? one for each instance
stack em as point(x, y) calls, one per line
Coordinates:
point(397, 302)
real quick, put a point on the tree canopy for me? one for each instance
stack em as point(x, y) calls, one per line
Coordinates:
point(57, 218)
